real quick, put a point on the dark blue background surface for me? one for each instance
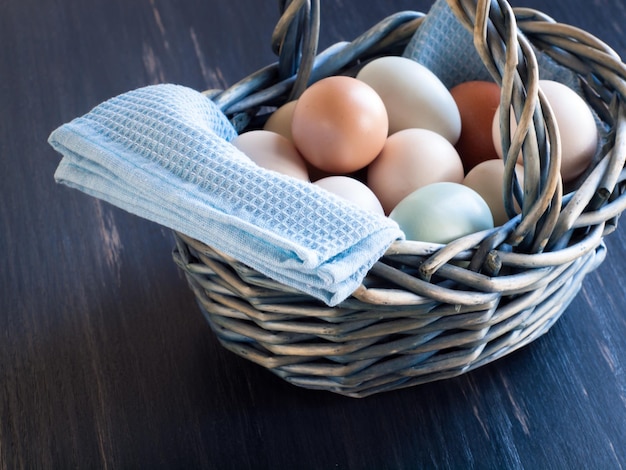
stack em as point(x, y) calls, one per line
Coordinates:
point(105, 360)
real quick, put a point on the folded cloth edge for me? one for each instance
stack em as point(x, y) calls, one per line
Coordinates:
point(76, 170)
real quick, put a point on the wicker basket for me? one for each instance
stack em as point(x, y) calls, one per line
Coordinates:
point(421, 315)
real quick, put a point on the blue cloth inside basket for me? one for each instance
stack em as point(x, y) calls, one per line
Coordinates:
point(162, 152)
point(447, 48)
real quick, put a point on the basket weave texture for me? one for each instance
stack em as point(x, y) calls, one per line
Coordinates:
point(426, 312)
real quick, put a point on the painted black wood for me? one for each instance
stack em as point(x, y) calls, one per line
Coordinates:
point(105, 361)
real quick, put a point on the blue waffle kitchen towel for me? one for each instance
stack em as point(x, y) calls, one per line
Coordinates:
point(446, 47)
point(162, 152)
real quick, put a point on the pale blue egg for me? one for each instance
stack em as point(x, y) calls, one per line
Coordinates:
point(441, 213)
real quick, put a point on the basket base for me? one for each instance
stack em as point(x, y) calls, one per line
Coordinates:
point(357, 349)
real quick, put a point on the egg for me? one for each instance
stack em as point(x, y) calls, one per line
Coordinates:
point(352, 190)
point(576, 125)
point(273, 152)
point(413, 96)
point(410, 159)
point(487, 179)
point(477, 101)
point(339, 124)
point(280, 120)
point(441, 213)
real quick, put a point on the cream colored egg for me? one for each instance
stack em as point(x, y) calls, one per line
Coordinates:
point(413, 96)
point(410, 159)
point(273, 152)
point(576, 125)
point(352, 190)
point(280, 120)
point(487, 179)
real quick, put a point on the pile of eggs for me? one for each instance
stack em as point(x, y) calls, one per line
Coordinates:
point(394, 140)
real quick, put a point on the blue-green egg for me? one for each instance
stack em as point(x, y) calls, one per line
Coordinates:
point(441, 213)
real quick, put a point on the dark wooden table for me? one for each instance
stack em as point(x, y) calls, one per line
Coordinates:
point(105, 360)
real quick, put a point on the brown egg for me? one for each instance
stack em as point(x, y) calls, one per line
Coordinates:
point(339, 124)
point(273, 152)
point(487, 179)
point(410, 159)
point(280, 120)
point(477, 102)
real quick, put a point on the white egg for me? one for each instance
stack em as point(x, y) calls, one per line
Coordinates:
point(576, 125)
point(352, 190)
point(413, 95)
point(273, 152)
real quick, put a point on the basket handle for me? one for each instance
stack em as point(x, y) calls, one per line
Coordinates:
point(295, 39)
point(278, 83)
point(510, 59)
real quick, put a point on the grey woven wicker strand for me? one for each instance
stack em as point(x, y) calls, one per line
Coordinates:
point(428, 312)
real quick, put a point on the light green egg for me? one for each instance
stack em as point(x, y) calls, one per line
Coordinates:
point(441, 213)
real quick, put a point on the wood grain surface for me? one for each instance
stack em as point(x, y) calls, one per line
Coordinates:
point(105, 360)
